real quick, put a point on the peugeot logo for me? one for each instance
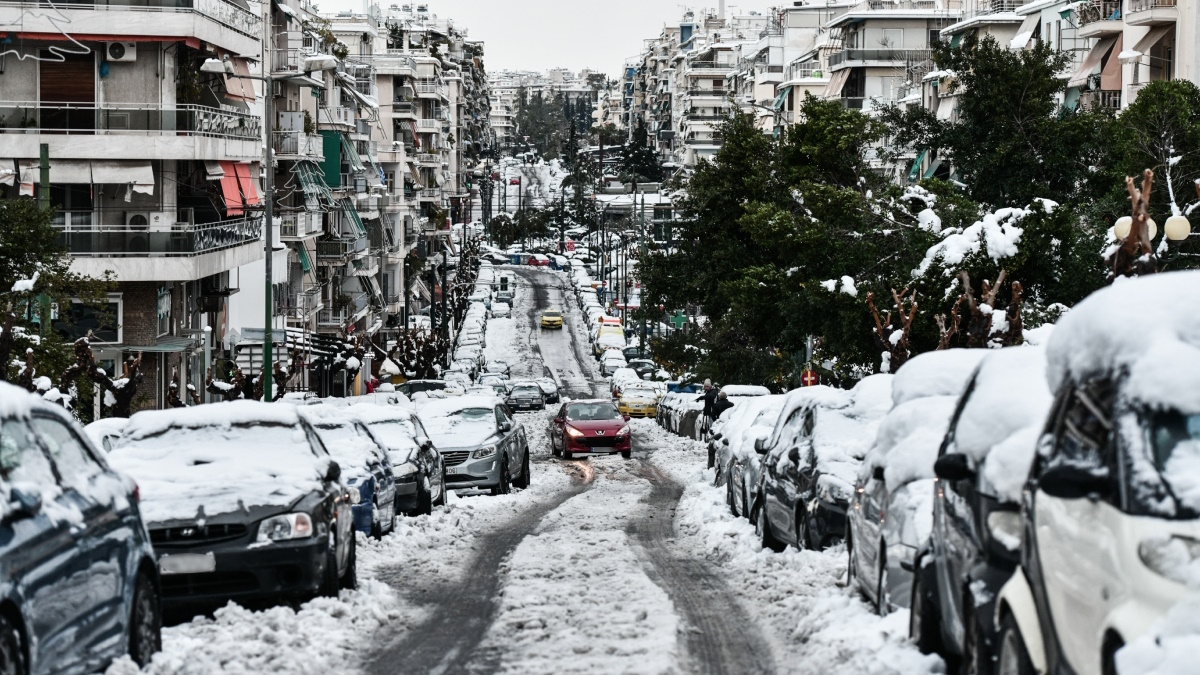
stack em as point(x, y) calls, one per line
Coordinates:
point(600, 432)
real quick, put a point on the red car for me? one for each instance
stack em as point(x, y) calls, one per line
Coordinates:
point(590, 427)
point(539, 260)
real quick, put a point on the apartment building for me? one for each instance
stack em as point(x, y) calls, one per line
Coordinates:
point(154, 166)
point(578, 91)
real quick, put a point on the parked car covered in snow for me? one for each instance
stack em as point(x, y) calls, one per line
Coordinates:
point(982, 464)
point(104, 433)
point(549, 389)
point(364, 466)
point(526, 395)
point(1110, 518)
point(67, 520)
point(417, 465)
point(811, 459)
point(892, 511)
point(736, 461)
point(243, 503)
point(482, 444)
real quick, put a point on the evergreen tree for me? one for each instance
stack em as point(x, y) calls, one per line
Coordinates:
point(639, 162)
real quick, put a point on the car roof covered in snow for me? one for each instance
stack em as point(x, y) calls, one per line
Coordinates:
point(745, 390)
point(1147, 327)
point(440, 407)
point(937, 373)
point(225, 414)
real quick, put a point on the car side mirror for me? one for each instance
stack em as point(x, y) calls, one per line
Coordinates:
point(877, 473)
point(1072, 482)
point(760, 446)
point(333, 473)
point(506, 426)
point(953, 466)
point(626, 417)
point(428, 446)
point(794, 455)
point(27, 503)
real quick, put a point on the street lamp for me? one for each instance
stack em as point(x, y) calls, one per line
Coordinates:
point(1177, 228)
point(312, 63)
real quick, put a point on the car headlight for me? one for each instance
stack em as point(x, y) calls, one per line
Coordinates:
point(405, 473)
point(1005, 528)
point(574, 433)
point(624, 431)
point(485, 451)
point(285, 527)
point(1176, 558)
point(353, 496)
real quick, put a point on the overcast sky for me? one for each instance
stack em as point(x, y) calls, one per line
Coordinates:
point(541, 34)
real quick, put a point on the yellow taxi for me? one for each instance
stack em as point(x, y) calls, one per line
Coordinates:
point(638, 401)
point(551, 318)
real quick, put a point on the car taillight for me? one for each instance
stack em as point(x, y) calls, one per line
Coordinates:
point(137, 493)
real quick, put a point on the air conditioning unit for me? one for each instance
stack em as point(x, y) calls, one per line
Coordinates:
point(151, 220)
point(120, 52)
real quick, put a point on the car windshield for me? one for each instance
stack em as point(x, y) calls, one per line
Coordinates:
point(1175, 448)
point(593, 412)
point(640, 392)
point(552, 315)
point(347, 444)
point(526, 390)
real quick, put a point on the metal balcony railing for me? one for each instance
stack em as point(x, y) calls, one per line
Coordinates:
point(226, 13)
point(290, 60)
point(429, 124)
point(119, 118)
point(336, 115)
point(180, 240)
point(892, 55)
point(1099, 10)
point(298, 143)
point(1145, 5)
point(354, 304)
point(340, 249)
point(306, 303)
point(429, 194)
point(429, 158)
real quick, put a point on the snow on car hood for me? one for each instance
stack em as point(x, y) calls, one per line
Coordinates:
point(187, 472)
point(449, 427)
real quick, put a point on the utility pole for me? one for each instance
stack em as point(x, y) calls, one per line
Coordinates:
point(445, 292)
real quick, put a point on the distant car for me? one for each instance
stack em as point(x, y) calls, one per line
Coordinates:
point(80, 584)
point(635, 352)
point(416, 463)
point(364, 467)
point(549, 389)
point(499, 366)
point(811, 460)
point(526, 395)
point(502, 310)
point(590, 427)
point(482, 444)
point(250, 485)
point(643, 367)
point(551, 318)
point(105, 432)
point(637, 401)
point(611, 362)
point(414, 386)
point(539, 260)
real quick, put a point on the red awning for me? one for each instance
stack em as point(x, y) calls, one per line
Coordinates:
point(230, 190)
point(248, 188)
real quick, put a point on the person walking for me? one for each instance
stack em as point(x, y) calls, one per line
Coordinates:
point(709, 397)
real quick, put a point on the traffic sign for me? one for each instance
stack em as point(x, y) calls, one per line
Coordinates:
point(809, 378)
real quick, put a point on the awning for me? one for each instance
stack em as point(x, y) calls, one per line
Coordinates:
point(305, 261)
point(1110, 77)
point(74, 171)
point(237, 88)
point(956, 41)
point(946, 107)
point(915, 171)
point(351, 214)
point(1025, 33)
point(368, 101)
point(836, 82)
point(783, 94)
point(312, 183)
point(164, 345)
point(246, 183)
point(1071, 98)
point(25, 170)
point(416, 176)
point(1150, 39)
point(213, 170)
point(230, 190)
point(288, 12)
point(138, 174)
point(8, 172)
point(351, 154)
point(933, 167)
point(1092, 61)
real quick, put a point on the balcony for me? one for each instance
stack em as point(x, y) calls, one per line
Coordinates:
point(426, 126)
point(404, 109)
point(338, 250)
point(290, 61)
point(171, 132)
point(218, 22)
point(82, 238)
point(429, 159)
point(1098, 18)
point(297, 226)
point(1151, 12)
point(306, 303)
point(429, 195)
point(432, 90)
point(877, 57)
point(718, 93)
point(295, 145)
point(338, 115)
point(351, 308)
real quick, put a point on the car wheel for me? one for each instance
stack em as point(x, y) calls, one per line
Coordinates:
point(349, 579)
point(441, 498)
point(803, 539)
point(505, 485)
point(424, 499)
point(712, 456)
point(145, 624)
point(523, 481)
point(1014, 657)
point(729, 498)
point(330, 582)
point(923, 617)
point(566, 454)
point(763, 529)
point(627, 454)
point(12, 653)
point(851, 565)
point(882, 605)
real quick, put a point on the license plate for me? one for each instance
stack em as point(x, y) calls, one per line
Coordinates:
point(187, 563)
point(453, 469)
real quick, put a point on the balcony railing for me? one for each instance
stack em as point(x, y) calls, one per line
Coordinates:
point(429, 193)
point(402, 107)
point(354, 304)
point(1145, 5)
point(336, 115)
point(722, 93)
point(298, 225)
point(298, 143)
point(118, 118)
point(306, 303)
point(429, 158)
point(223, 12)
point(1099, 10)
point(290, 60)
point(805, 70)
point(891, 55)
point(176, 241)
point(340, 249)
point(429, 124)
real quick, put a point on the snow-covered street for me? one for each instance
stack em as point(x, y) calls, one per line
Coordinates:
point(603, 565)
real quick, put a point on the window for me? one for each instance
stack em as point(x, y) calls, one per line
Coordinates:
point(893, 38)
point(1086, 428)
point(21, 458)
point(104, 322)
point(164, 310)
point(75, 463)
